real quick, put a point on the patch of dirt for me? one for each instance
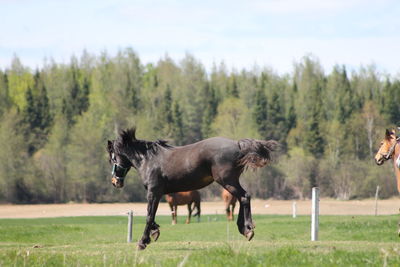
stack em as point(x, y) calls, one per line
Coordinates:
point(283, 207)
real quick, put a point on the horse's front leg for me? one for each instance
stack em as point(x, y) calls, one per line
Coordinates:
point(151, 227)
point(244, 220)
point(245, 211)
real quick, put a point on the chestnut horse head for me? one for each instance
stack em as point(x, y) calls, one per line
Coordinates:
point(387, 147)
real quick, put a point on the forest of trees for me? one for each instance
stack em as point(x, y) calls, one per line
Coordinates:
point(55, 122)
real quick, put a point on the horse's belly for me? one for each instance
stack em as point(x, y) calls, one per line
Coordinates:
point(188, 183)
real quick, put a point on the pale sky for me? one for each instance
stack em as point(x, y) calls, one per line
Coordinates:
point(268, 33)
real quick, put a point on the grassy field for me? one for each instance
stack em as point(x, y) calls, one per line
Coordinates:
point(278, 241)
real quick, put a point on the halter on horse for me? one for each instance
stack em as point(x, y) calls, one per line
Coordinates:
point(387, 148)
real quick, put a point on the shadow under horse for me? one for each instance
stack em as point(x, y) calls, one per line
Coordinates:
point(167, 169)
point(188, 198)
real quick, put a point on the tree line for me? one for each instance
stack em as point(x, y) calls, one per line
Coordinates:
point(55, 121)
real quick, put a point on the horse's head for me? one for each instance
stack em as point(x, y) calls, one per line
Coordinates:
point(118, 151)
point(126, 152)
point(386, 148)
point(120, 165)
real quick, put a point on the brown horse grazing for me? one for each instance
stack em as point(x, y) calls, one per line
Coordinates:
point(182, 198)
point(166, 169)
point(390, 149)
point(230, 203)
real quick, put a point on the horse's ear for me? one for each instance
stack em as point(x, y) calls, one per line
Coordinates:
point(388, 134)
point(109, 146)
point(133, 133)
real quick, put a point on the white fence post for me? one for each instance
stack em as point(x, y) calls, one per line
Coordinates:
point(376, 200)
point(315, 214)
point(130, 222)
point(294, 209)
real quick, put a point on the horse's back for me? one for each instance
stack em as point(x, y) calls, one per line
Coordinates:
point(212, 144)
point(191, 167)
point(208, 150)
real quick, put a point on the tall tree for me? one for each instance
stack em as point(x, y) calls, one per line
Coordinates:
point(193, 107)
point(390, 104)
point(210, 109)
point(5, 101)
point(13, 159)
point(260, 114)
point(166, 119)
point(77, 100)
point(291, 116)
point(177, 126)
point(344, 96)
point(37, 116)
point(276, 119)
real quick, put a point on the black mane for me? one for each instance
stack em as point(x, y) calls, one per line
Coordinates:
point(127, 142)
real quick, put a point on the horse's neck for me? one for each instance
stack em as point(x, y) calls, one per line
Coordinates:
point(138, 163)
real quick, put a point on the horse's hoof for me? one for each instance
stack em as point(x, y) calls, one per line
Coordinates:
point(155, 234)
point(141, 246)
point(249, 235)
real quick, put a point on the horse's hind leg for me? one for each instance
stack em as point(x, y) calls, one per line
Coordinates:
point(197, 204)
point(174, 214)
point(171, 206)
point(228, 213)
point(232, 210)
point(189, 213)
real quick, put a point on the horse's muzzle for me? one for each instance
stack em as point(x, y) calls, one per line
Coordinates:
point(379, 161)
point(117, 182)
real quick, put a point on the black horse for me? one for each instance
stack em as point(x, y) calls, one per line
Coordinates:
point(167, 169)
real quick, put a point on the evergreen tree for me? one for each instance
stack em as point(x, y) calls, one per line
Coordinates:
point(77, 100)
point(232, 87)
point(291, 111)
point(344, 97)
point(166, 112)
point(211, 104)
point(5, 101)
point(177, 126)
point(390, 103)
point(276, 119)
point(260, 114)
point(314, 142)
point(193, 104)
point(37, 116)
point(132, 94)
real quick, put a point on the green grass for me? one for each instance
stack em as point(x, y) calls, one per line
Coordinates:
point(278, 241)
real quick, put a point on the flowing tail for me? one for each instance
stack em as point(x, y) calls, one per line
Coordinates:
point(256, 153)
